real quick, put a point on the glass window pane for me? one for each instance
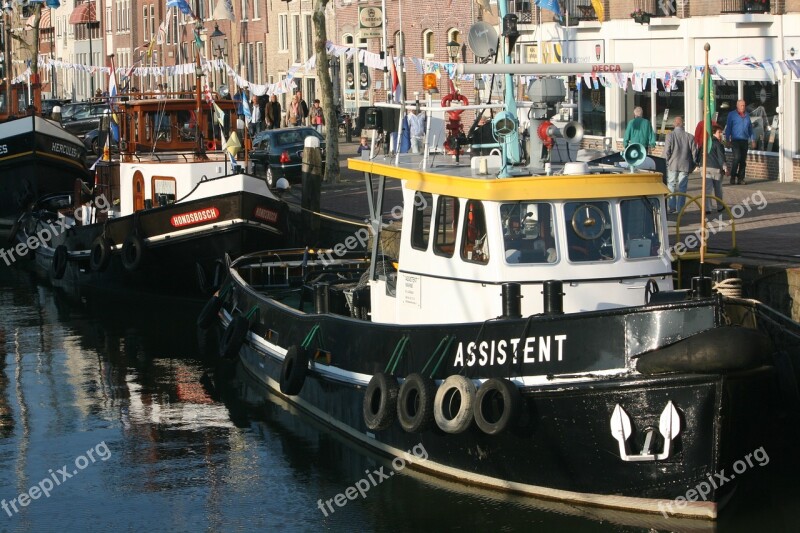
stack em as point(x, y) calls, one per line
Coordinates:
point(593, 110)
point(420, 227)
point(589, 232)
point(474, 247)
point(761, 98)
point(528, 232)
point(640, 223)
point(446, 215)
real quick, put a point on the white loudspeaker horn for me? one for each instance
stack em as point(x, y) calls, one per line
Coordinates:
point(634, 154)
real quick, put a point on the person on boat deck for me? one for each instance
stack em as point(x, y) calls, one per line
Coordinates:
point(416, 128)
point(680, 151)
point(639, 130)
point(237, 98)
point(273, 113)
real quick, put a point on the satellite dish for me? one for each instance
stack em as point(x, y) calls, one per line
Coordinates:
point(223, 91)
point(482, 39)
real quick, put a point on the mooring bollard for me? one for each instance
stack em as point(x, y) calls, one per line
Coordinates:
point(312, 189)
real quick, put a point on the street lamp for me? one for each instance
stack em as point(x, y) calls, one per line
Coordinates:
point(217, 47)
point(453, 48)
point(90, 24)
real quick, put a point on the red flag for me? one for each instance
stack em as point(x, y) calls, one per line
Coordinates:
point(396, 87)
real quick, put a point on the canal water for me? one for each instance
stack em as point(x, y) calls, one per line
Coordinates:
point(116, 414)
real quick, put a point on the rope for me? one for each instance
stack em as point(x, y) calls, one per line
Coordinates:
point(307, 341)
point(730, 288)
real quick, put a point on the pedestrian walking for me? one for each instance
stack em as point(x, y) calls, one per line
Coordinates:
point(639, 130)
point(716, 168)
point(273, 113)
point(680, 151)
point(256, 121)
point(296, 112)
point(317, 117)
point(739, 133)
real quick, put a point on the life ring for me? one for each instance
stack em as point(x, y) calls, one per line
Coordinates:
point(233, 338)
point(415, 403)
point(209, 312)
point(132, 252)
point(293, 371)
point(380, 402)
point(452, 407)
point(100, 254)
point(456, 113)
point(498, 405)
point(59, 265)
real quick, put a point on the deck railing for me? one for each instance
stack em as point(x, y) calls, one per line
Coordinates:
point(745, 6)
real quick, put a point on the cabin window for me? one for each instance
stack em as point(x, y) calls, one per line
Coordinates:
point(528, 232)
point(164, 190)
point(187, 126)
point(446, 215)
point(589, 233)
point(474, 247)
point(421, 220)
point(640, 227)
point(157, 127)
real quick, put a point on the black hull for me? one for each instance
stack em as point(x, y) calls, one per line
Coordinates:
point(178, 260)
point(562, 448)
point(36, 158)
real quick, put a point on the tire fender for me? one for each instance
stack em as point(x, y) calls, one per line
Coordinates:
point(453, 405)
point(498, 405)
point(209, 312)
point(59, 265)
point(415, 403)
point(380, 402)
point(132, 252)
point(100, 254)
point(233, 338)
point(294, 370)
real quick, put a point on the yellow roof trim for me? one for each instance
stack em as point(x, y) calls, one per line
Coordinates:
point(584, 186)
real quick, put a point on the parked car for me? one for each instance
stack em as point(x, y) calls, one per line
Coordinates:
point(69, 109)
point(95, 139)
point(279, 153)
point(85, 120)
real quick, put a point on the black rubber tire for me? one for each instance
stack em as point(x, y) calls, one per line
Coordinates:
point(380, 402)
point(453, 405)
point(58, 267)
point(100, 254)
point(132, 252)
point(498, 405)
point(209, 313)
point(233, 338)
point(294, 370)
point(415, 403)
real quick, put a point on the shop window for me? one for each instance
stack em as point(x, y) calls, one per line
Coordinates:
point(660, 109)
point(761, 98)
point(593, 110)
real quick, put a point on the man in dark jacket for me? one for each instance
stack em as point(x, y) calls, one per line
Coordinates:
point(680, 151)
point(716, 168)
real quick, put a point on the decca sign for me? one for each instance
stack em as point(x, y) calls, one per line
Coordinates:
point(606, 68)
point(194, 217)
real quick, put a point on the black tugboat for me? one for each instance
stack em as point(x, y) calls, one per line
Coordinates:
point(526, 331)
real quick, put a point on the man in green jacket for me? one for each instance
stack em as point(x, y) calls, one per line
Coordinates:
point(639, 131)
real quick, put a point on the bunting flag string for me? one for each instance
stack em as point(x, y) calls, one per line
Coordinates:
point(773, 70)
